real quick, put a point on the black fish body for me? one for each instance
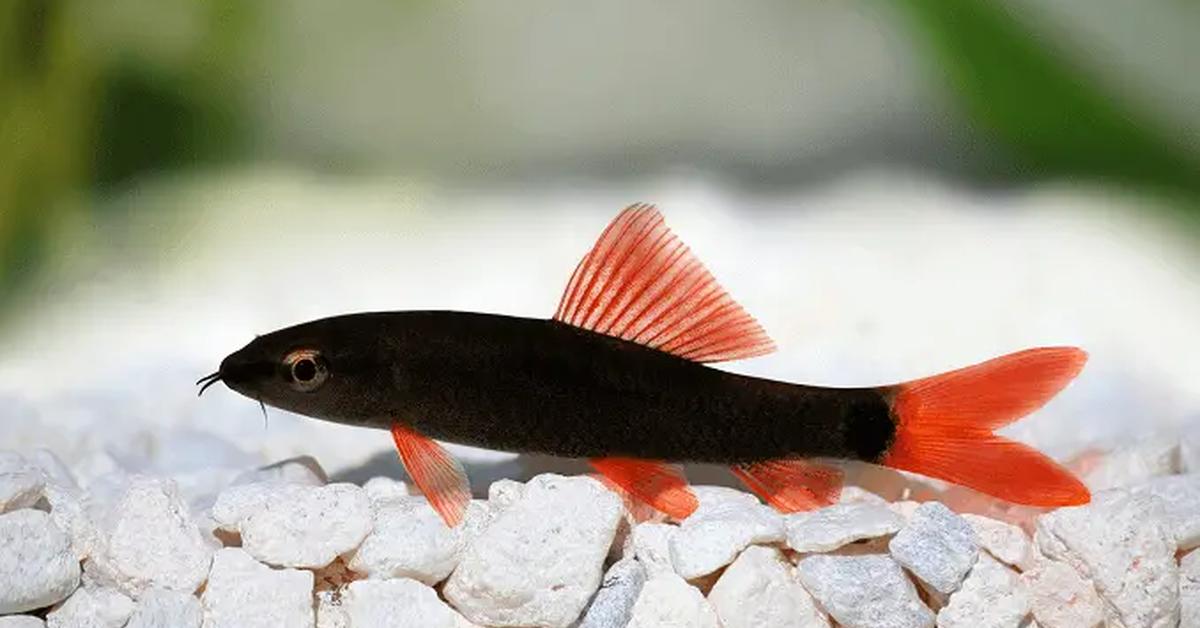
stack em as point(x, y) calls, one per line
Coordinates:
point(543, 386)
point(618, 376)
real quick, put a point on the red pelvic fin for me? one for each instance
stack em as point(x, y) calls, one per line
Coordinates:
point(641, 283)
point(792, 485)
point(944, 427)
point(439, 476)
point(655, 483)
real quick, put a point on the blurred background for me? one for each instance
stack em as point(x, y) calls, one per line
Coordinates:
point(893, 188)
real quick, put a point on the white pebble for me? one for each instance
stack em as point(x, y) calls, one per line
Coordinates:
point(992, 596)
point(1060, 598)
point(905, 508)
point(719, 530)
point(152, 541)
point(37, 566)
point(410, 540)
point(1189, 590)
point(1134, 463)
point(381, 489)
point(540, 561)
point(667, 601)
point(235, 503)
point(303, 470)
point(855, 495)
point(69, 511)
point(400, 603)
point(55, 472)
point(864, 591)
point(1189, 452)
point(162, 608)
point(504, 493)
point(719, 496)
point(829, 528)
point(92, 608)
point(1180, 497)
point(21, 621)
point(937, 546)
point(760, 588)
point(306, 526)
point(1004, 541)
point(651, 544)
point(613, 603)
point(243, 593)
point(1121, 544)
point(330, 613)
point(21, 482)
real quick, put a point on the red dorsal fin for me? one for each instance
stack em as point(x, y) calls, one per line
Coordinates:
point(439, 476)
point(655, 483)
point(641, 283)
point(792, 485)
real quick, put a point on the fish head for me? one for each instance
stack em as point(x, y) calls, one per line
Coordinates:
point(325, 369)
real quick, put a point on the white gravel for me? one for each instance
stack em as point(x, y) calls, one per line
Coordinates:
point(21, 482)
point(1121, 543)
point(829, 528)
point(1180, 499)
point(533, 554)
point(725, 523)
point(92, 608)
point(37, 567)
point(992, 596)
point(864, 591)
point(410, 540)
point(1189, 590)
point(937, 546)
point(1061, 598)
point(151, 540)
point(296, 525)
point(397, 603)
point(1003, 541)
point(651, 543)
point(21, 621)
point(160, 608)
point(243, 593)
point(668, 601)
point(761, 588)
point(540, 561)
point(613, 603)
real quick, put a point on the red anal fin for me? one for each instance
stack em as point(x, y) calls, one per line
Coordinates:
point(639, 282)
point(439, 476)
point(658, 484)
point(792, 485)
point(944, 427)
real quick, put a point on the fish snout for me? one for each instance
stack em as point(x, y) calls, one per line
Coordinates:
point(240, 373)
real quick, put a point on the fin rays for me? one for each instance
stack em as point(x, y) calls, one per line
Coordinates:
point(639, 282)
point(440, 477)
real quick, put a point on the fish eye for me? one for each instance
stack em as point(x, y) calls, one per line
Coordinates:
point(306, 370)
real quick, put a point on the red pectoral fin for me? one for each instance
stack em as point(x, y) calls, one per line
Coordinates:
point(641, 283)
point(655, 483)
point(792, 485)
point(439, 476)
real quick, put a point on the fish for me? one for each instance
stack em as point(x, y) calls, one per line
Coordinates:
point(621, 375)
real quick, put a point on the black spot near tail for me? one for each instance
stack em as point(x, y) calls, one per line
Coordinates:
point(870, 429)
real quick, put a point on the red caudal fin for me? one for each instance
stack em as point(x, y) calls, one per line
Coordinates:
point(944, 427)
point(641, 283)
point(439, 476)
point(792, 485)
point(655, 483)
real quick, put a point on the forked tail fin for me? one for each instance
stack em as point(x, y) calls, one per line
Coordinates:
point(944, 427)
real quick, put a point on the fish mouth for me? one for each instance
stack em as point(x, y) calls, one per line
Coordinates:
point(206, 381)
